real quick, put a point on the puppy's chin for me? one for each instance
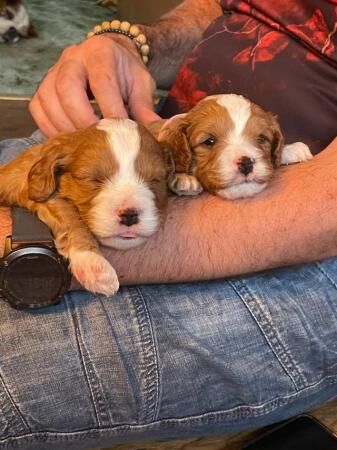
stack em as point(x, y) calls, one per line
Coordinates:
point(242, 190)
point(122, 243)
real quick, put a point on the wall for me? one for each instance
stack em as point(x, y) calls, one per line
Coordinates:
point(144, 11)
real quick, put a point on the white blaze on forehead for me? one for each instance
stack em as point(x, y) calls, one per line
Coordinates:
point(238, 145)
point(239, 109)
point(125, 189)
point(124, 139)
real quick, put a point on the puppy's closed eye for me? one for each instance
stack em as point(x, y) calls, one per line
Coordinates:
point(89, 179)
point(263, 139)
point(7, 14)
point(157, 179)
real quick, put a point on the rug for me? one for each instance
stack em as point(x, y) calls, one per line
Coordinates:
point(58, 24)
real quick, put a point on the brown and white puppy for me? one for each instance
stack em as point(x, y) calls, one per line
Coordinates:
point(226, 145)
point(106, 184)
point(14, 21)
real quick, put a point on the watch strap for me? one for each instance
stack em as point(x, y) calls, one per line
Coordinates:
point(28, 229)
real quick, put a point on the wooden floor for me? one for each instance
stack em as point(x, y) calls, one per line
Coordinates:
point(15, 120)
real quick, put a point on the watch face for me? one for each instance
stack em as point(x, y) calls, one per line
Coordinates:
point(34, 277)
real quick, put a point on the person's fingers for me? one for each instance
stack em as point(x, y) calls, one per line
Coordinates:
point(41, 118)
point(71, 88)
point(114, 76)
point(144, 115)
point(141, 100)
point(106, 91)
point(104, 84)
point(49, 101)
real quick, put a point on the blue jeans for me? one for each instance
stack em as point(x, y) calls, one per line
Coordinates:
point(167, 361)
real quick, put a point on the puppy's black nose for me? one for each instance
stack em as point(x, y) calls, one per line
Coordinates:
point(245, 165)
point(11, 36)
point(129, 217)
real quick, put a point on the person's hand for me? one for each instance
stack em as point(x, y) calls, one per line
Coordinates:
point(110, 66)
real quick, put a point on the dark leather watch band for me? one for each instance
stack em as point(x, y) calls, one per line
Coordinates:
point(32, 273)
point(28, 228)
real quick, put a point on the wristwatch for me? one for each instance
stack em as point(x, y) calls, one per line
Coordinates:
point(32, 273)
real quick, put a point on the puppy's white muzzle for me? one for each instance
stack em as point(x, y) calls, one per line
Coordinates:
point(124, 215)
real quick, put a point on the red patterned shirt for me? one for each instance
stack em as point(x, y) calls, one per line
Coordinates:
point(281, 54)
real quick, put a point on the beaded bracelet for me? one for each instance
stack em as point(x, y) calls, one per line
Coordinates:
point(126, 29)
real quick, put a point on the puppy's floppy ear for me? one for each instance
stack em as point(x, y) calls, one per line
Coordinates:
point(169, 161)
point(42, 177)
point(277, 142)
point(277, 146)
point(173, 135)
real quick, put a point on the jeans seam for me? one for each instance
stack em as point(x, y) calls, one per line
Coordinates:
point(38, 137)
point(97, 395)
point(325, 273)
point(29, 141)
point(274, 341)
point(149, 364)
point(10, 410)
point(238, 412)
point(156, 357)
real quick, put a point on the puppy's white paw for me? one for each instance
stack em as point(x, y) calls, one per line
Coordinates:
point(183, 184)
point(94, 272)
point(296, 152)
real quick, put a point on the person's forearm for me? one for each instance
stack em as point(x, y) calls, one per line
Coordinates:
point(294, 221)
point(174, 35)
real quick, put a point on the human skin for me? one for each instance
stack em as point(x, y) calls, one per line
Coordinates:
point(118, 79)
point(293, 221)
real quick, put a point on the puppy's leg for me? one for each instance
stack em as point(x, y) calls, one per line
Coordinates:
point(75, 241)
point(184, 184)
point(11, 184)
point(171, 133)
point(294, 153)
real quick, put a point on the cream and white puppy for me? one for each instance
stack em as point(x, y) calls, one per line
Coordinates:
point(14, 21)
point(106, 184)
point(226, 145)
